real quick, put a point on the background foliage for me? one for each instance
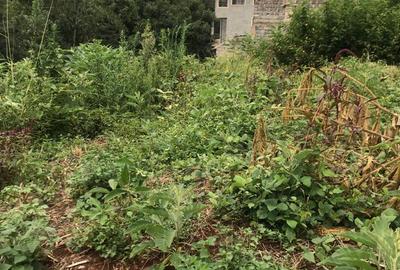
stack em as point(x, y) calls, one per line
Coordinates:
point(75, 22)
point(370, 28)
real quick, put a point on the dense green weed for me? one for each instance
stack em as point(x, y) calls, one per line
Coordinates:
point(24, 237)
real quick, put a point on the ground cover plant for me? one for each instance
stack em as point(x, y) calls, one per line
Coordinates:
point(113, 158)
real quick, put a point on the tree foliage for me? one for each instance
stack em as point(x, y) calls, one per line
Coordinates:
point(364, 27)
point(22, 23)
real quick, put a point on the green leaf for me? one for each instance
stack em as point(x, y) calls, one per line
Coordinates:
point(290, 234)
point(19, 258)
point(33, 245)
point(204, 253)
point(351, 257)
point(391, 213)
point(113, 184)
point(162, 237)
point(262, 213)
point(5, 250)
point(114, 194)
point(361, 238)
point(272, 204)
point(98, 190)
point(241, 182)
point(95, 202)
point(140, 248)
point(282, 207)
point(309, 256)
point(4, 266)
point(303, 155)
point(139, 226)
point(125, 177)
point(306, 180)
point(157, 211)
point(292, 223)
point(328, 173)
point(192, 210)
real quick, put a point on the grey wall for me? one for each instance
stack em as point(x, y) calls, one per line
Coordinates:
point(239, 18)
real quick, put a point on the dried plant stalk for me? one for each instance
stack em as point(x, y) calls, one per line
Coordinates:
point(304, 89)
point(259, 142)
point(383, 166)
point(346, 117)
point(287, 111)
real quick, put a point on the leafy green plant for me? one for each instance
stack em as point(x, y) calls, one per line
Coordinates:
point(25, 95)
point(24, 237)
point(147, 219)
point(236, 252)
point(162, 218)
point(12, 195)
point(95, 169)
point(292, 195)
point(379, 246)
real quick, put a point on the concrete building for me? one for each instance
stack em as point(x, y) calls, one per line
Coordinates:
point(236, 18)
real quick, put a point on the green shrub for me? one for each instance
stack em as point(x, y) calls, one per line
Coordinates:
point(98, 76)
point(24, 235)
point(14, 195)
point(24, 96)
point(257, 48)
point(293, 195)
point(127, 219)
point(117, 80)
point(92, 84)
point(382, 79)
point(315, 35)
point(96, 168)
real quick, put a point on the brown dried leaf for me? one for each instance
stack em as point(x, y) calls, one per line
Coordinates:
point(368, 167)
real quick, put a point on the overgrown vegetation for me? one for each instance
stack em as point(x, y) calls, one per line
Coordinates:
point(314, 36)
point(152, 158)
point(24, 235)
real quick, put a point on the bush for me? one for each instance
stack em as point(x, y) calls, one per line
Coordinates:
point(257, 48)
point(95, 170)
point(293, 195)
point(117, 80)
point(98, 76)
point(315, 35)
point(23, 233)
point(95, 85)
point(25, 96)
point(127, 219)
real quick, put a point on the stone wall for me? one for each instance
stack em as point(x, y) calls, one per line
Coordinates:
point(269, 13)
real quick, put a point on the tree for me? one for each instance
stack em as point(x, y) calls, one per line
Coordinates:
point(81, 21)
point(364, 27)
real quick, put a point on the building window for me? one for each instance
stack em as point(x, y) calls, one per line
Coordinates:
point(220, 29)
point(222, 3)
point(238, 2)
